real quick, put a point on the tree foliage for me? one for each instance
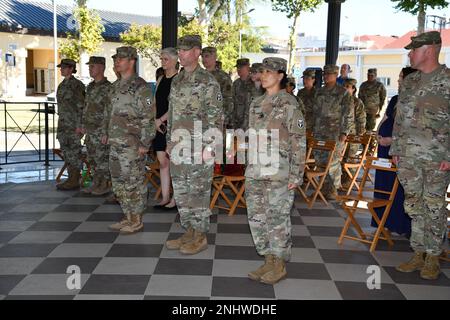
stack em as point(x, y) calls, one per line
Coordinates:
point(146, 39)
point(88, 38)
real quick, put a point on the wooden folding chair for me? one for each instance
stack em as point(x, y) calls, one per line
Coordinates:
point(353, 203)
point(446, 253)
point(60, 154)
point(237, 186)
point(314, 173)
point(355, 162)
point(152, 172)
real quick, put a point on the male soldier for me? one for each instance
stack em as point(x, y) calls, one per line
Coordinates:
point(97, 99)
point(209, 59)
point(130, 131)
point(306, 95)
point(195, 100)
point(421, 150)
point(372, 93)
point(241, 97)
point(333, 119)
point(358, 126)
point(345, 70)
point(70, 95)
point(256, 90)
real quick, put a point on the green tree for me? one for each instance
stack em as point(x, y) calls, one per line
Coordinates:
point(88, 38)
point(419, 8)
point(293, 8)
point(146, 39)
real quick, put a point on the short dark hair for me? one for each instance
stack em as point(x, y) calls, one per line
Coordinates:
point(284, 81)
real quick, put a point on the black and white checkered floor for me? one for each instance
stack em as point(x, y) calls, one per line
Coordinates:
point(43, 231)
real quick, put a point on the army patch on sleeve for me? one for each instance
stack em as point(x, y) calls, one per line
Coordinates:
point(300, 123)
point(219, 96)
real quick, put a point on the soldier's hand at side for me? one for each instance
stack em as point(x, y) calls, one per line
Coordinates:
point(80, 131)
point(396, 159)
point(142, 151)
point(292, 186)
point(105, 139)
point(445, 166)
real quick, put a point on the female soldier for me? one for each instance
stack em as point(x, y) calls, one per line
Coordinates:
point(270, 187)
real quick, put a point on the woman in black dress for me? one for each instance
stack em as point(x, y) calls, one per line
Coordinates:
point(169, 62)
point(398, 221)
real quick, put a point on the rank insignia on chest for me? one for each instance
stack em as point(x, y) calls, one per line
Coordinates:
point(300, 123)
point(219, 97)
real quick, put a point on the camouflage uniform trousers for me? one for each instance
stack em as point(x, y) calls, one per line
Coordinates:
point(71, 148)
point(371, 120)
point(425, 187)
point(269, 205)
point(98, 155)
point(192, 192)
point(351, 152)
point(333, 179)
point(127, 169)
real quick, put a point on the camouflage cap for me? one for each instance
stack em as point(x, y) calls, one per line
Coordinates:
point(275, 64)
point(67, 62)
point(292, 80)
point(309, 73)
point(96, 60)
point(330, 68)
point(125, 52)
point(351, 82)
point(189, 41)
point(372, 71)
point(242, 62)
point(210, 50)
point(256, 67)
point(431, 37)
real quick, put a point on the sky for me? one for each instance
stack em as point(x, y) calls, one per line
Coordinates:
point(358, 17)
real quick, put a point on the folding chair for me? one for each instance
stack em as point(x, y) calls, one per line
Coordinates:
point(446, 253)
point(236, 184)
point(316, 174)
point(60, 154)
point(355, 162)
point(152, 172)
point(353, 203)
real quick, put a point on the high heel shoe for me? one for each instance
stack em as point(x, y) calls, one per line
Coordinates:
point(161, 206)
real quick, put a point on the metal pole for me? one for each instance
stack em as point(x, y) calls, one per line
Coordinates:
point(55, 47)
point(169, 23)
point(240, 36)
point(6, 135)
point(334, 21)
point(46, 163)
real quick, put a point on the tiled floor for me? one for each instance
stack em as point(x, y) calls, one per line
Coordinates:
point(43, 231)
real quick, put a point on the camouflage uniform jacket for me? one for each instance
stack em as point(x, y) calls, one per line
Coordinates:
point(70, 95)
point(358, 127)
point(279, 112)
point(372, 95)
point(421, 127)
point(97, 100)
point(226, 88)
point(131, 116)
point(333, 113)
point(307, 97)
point(241, 102)
point(194, 96)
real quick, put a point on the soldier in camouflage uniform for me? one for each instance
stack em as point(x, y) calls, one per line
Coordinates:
point(130, 131)
point(209, 59)
point(195, 99)
point(372, 93)
point(306, 95)
point(97, 99)
point(70, 95)
point(358, 126)
point(334, 116)
point(421, 150)
point(241, 98)
point(269, 188)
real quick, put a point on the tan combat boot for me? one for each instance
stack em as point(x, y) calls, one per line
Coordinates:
point(119, 225)
point(101, 189)
point(177, 243)
point(416, 263)
point(266, 267)
point(277, 273)
point(431, 269)
point(197, 244)
point(134, 226)
point(73, 182)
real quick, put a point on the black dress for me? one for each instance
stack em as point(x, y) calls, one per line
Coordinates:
point(162, 106)
point(398, 221)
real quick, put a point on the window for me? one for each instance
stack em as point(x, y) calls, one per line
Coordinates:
point(385, 80)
